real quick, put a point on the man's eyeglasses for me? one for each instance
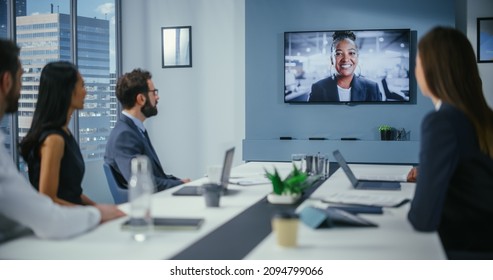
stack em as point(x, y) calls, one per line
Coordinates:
point(155, 91)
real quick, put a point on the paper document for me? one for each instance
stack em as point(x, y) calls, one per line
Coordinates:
point(397, 173)
point(249, 181)
point(396, 178)
point(366, 199)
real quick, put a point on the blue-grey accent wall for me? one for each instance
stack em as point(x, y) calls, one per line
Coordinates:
point(268, 117)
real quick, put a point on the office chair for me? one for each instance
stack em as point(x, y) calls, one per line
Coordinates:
point(118, 190)
point(390, 95)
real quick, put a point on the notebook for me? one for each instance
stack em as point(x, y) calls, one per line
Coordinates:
point(379, 177)
point(167, 223)
point(225, 173)
point(358, 198)
point(397, 173)
point(364, 184)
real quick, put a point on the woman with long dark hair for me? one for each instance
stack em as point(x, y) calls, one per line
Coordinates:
point(56, 166)
point(454, 191)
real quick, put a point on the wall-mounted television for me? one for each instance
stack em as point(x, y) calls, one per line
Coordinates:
point(347, 66)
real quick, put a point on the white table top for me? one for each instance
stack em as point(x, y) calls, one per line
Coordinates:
point(394, 238)
point(108, 241)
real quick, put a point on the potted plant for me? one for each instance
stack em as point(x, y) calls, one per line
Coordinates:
point(290, 189)
point(385, 132)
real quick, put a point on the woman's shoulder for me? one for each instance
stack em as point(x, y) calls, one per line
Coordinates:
point(54, 139)
point(448, 115)
point(53, 133)
point(449, 112)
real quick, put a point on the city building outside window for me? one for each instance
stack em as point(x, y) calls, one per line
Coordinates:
point(44, 32)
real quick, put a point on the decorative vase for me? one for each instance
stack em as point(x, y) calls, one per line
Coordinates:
point(283, 198)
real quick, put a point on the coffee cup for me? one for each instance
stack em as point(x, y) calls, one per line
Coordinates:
point(212, 194)
point(285, 228)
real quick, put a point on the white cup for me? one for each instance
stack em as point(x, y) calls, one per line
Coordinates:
point(214, 173)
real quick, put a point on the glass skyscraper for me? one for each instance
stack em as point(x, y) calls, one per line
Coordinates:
point(45, 38)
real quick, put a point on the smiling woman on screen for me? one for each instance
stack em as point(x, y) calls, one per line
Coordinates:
point(345, 85)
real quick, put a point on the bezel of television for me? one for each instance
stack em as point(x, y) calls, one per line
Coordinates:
point(383, 57)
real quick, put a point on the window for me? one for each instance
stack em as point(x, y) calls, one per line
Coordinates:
point(96, 61)
point(44, 32)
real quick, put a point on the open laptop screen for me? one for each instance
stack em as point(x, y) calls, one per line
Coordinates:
point(228, 164)
point(364, 184)
point(343, 164)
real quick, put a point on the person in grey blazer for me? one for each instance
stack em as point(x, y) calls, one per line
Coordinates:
point(128, 139)
point(345, 85)
point(454, 191)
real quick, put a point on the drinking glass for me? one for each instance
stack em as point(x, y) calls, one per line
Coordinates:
point(298, 160)
point(322, 166)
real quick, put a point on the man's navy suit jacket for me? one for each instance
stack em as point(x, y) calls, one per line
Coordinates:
point(126, 141)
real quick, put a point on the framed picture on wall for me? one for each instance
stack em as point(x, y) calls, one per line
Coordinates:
point(485, 39)
point(176, 44)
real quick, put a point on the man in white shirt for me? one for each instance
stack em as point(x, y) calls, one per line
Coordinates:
point(19, 201)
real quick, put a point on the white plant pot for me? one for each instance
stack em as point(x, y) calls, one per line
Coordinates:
point(283, 199)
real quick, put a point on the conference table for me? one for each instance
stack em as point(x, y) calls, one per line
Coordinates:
point(240, 228)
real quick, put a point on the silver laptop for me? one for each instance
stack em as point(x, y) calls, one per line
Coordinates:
point(225, 173)
point(364, 184)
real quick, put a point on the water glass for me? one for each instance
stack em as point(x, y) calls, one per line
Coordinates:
point(311, 165)
point(322, 166)
point(298, 160)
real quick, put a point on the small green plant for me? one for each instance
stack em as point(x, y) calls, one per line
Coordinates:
point(385, 128)
point(385, 132)
point(295, 183)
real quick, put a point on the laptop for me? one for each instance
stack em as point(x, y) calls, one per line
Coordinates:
point(364, 184)
point(225, 173)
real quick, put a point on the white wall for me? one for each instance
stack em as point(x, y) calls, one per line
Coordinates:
point(475, 9)
point(202, 108)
